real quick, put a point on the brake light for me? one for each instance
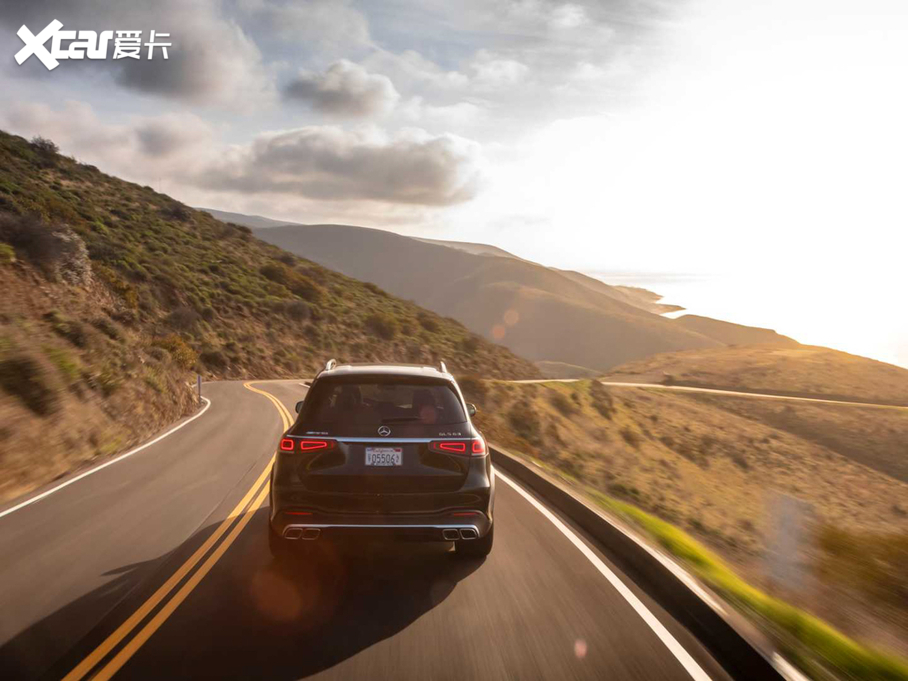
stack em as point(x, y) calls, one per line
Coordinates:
point(292, 445)
point(454, 447)
point(463, 447)
point(316, 445)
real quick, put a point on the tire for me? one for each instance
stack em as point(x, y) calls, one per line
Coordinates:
point(476, 548)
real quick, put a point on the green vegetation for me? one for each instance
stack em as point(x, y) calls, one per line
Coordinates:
point(382, 325)
point(177, 348)
point(806, 638)
point(7, 254)
point(66, 365)
point(23, 377)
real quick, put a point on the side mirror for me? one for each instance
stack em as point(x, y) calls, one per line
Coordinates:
point(299, 406)
point(471, 409)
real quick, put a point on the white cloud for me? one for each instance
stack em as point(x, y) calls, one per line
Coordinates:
point(328, 25)
point(211, 60)
point(569, 16)
point(330, 163)
point(494, 71)
point(456, 116)
point(345, 89)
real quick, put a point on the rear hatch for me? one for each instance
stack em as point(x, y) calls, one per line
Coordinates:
point(381, 435)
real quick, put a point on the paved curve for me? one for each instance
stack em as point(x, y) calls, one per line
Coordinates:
point(720, 391)
point(158, 567)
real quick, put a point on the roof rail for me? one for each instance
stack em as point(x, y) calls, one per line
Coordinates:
point(330, 365)
point(442, 367)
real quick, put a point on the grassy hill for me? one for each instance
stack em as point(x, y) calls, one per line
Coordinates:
point(540, 313)
point(733, 334)
point(714, 466)
point(114, 296)
point(799, 370)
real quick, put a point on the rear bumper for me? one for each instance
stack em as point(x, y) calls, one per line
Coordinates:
point(436, 527)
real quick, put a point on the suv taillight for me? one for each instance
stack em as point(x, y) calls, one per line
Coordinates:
point(306, 444)
point(463, 447)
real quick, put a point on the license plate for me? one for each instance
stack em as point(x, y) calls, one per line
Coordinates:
point(384, 456)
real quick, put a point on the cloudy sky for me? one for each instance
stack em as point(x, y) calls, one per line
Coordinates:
point(685, 135)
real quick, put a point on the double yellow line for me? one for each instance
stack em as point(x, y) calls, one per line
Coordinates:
point(244, 512)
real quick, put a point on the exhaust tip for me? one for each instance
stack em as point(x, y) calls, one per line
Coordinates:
point(311, 533)
point(468, 533)
point(450, 535)
point(293, 533)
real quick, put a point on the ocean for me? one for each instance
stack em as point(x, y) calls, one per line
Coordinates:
point(860, 316)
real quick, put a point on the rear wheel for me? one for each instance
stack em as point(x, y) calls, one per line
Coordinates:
point(472, 548)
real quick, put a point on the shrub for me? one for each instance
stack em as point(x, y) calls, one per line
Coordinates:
point(183, 318)
point(631, 436)
point(155, 381)
point(297, 310)
point(7, 254)
point(47, 151)
point(181, 353)
point(69, 329)
point(108, 327)
point(474, 389)
point(108, 380)
point(382, 325)
point(214, 359)
point(523, 420)
point(176, 211)
point(119, 286)
point(470, 344)
point(374, 288)
point(602, 399)
point(44, 146)
point(65, 364)
point(22, 377)
point(299, 284)
point(560, 401)
point(428, 322)
point(43, 244)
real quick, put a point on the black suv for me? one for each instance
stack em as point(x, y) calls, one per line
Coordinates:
point(383, 450)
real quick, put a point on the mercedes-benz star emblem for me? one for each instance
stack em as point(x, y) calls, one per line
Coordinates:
point(384, 431)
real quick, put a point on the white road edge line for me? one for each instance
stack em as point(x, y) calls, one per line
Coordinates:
point(38, 497)
point(690, 665)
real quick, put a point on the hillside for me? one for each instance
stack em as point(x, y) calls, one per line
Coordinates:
point(732, 334)
point(115, 296)
point(539, 313)
point(800, 370)
point(715, 466)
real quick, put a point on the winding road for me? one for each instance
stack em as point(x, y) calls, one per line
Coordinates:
point(156, 566)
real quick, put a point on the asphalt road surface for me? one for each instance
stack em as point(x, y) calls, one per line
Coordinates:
point(157, 567)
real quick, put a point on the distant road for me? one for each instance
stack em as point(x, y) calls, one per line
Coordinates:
point(718, 391)
point(157, 567)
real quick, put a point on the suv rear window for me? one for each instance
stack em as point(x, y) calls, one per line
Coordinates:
point(373, 401)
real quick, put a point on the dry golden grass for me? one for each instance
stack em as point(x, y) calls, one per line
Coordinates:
point(804, 370)
point(711, 470)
